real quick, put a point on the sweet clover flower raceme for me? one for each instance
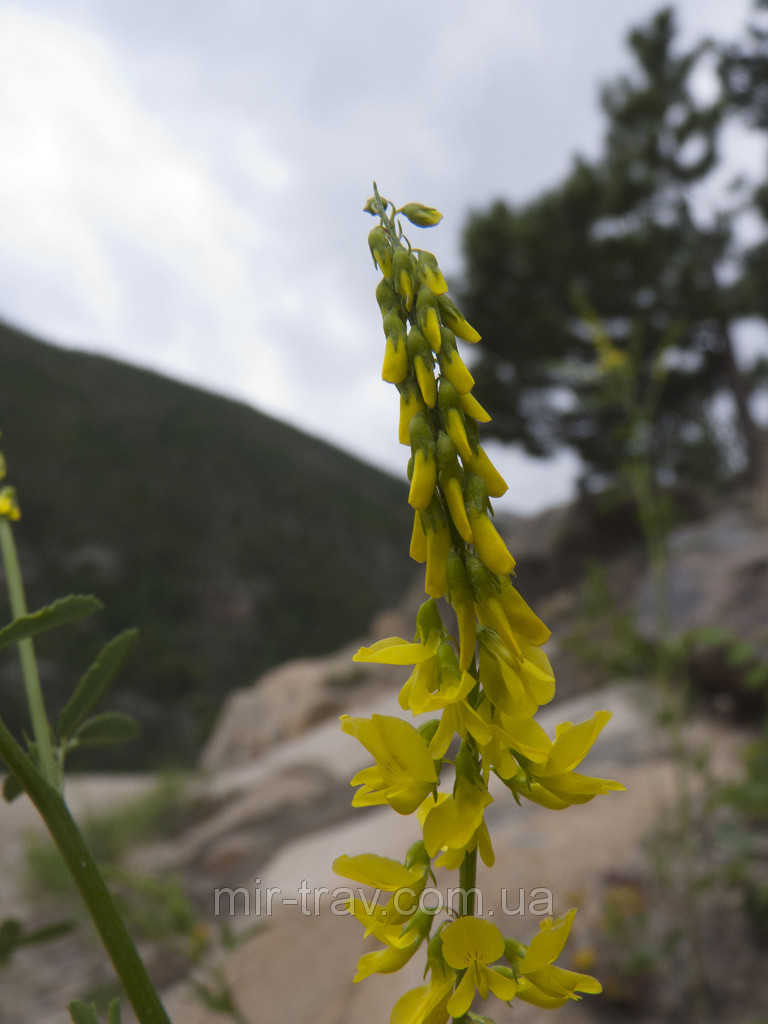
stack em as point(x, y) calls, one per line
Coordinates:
point(479, 679)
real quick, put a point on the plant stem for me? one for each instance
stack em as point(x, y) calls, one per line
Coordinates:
point(97, 898)
point(32, 687)
point(468, 882)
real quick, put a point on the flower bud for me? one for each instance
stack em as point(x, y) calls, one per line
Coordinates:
point(471, 407)
point(427, 316)
point(395, 366)
point(479, 464)
point(421, 359)
point(453, 419)
point(486, 540)
point(420, 215)
point(386, 296)
point(418, 549)
point(429, 273)
point(411, 403)
point(451, 481)
point(462, 601)
point(451, 317)
point(381, 250)
point(452, 365)
point(405, 276)
point(424, 473)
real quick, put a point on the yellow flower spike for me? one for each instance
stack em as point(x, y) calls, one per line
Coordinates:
point(395, 367)
point(427, 1004)
point(420, 356)
point(453, 319)
point(404, 273)
point(424, 474)
point(450, 478)
point(462, 601)
point(9, 504)
point(429, 273)
point(411, 403)
point(485, 537)
point(481, 466)
point(381, 250)
point(404, 773)
point(427, 316)
point(471, 407)
point(453, 419)
point(452, 365)
point(418, 548)
point(471, 944)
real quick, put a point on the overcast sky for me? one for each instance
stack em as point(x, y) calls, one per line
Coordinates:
point(182, 181)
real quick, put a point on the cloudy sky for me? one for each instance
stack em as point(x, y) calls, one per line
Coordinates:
point(182, 181)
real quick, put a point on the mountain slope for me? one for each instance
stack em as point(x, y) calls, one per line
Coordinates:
point(232, 540)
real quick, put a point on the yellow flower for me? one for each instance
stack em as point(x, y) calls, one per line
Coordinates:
point(544, 984)
point(402, 943)
point(404, 773)
point(455, 824)
point(516, 686)
point(554, 784)
point(405, 881)
point(471, 944)
point(427, 1004)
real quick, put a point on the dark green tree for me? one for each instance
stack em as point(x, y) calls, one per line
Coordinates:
point(621, 236)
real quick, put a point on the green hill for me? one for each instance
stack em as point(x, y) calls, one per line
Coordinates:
point(232, 540)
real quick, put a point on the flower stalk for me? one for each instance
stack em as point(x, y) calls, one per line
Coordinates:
point(484, 675)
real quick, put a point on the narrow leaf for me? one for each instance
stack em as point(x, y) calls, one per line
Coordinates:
point(95, 681)
point(64, 610)
point(81, 1013)
point(114, 1012)
point(107, 728)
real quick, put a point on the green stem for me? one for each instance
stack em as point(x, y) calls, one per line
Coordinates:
point(468, 882)
point(34, 692)
point(97, 898)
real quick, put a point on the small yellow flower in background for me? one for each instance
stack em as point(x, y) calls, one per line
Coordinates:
point(479, 668)
point(9, 504)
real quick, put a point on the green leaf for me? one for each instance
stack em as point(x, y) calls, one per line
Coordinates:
point(81, 1013)
point(114, 1012)
point(64, 610)
point(95, 681)
point(107, 728)
point(47, 934)
point(12, 788)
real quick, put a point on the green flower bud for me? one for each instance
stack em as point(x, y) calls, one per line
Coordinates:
point(381, 250)
point(423, 364)
point(405, 275)
point(452, 365)
point(451, 479)
point(452, 317)
point(420, 215)
point(427, 316)
point(429, 273)
point(386, 296)
point(395, 367)
point(424, 473)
